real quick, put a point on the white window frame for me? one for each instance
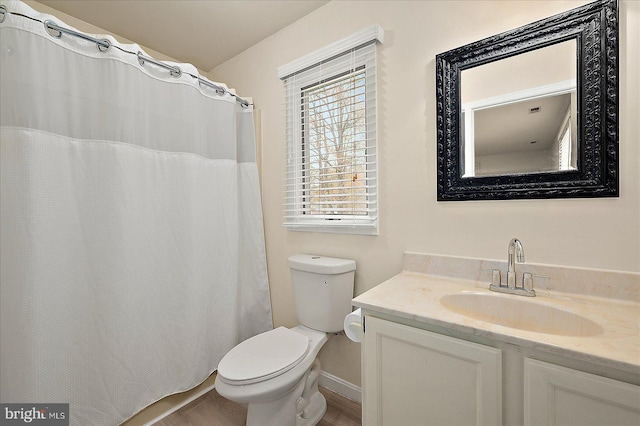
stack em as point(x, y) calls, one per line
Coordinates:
point(564, 143)
point(300, 74)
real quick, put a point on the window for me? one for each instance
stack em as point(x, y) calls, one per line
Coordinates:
point(331, 173)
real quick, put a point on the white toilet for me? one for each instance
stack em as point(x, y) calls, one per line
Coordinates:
point(276, 372)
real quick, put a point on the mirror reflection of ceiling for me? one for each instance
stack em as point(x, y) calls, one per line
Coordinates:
point(536, 68)
point(511, 127)
point(519, 126)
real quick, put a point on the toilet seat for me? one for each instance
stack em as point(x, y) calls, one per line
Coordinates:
point(263, 357)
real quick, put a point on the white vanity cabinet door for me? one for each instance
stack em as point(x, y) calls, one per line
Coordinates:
point(414, 377)
point(557, 396)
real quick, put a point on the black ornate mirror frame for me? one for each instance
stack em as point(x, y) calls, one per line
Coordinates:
point(594, 26)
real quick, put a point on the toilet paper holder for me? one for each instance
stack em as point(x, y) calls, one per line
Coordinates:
point(353, 327)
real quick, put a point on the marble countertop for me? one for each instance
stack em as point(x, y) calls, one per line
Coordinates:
point(417, 296)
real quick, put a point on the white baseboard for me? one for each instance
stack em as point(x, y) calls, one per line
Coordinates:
point(179, 406)
point(170, 404)
point(340, 386)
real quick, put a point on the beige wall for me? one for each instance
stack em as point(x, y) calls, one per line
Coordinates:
point(594, 233)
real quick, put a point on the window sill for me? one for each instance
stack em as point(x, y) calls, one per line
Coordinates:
point(349, 228)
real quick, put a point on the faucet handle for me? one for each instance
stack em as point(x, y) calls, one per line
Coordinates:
point(527, 280)
point(496, 278)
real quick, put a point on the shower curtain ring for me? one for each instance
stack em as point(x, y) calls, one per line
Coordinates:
point(52, 32)
point(103, 45)
point(173, 70)
point(3, 12)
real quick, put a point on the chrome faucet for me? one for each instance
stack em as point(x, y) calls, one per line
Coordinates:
point(516, 255)
point(515, 248)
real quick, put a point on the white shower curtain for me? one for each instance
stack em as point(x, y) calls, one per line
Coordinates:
point(131, 239)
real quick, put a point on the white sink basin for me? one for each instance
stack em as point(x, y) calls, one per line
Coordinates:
point(524, 314)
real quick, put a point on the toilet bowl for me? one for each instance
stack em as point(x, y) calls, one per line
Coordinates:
point(272, 388)
point(276, 372)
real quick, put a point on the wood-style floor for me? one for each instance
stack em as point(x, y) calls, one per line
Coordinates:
point(213, 410)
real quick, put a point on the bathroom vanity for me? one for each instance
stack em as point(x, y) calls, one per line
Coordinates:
point(440, 348)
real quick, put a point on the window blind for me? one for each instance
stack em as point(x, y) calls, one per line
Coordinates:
point(331, 157)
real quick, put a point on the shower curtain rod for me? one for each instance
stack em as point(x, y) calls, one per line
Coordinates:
point(104, 45)
point(175, 71)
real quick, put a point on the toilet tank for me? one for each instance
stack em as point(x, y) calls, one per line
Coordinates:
point(322, 290)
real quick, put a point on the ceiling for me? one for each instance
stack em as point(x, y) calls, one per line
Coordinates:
point(204, 33)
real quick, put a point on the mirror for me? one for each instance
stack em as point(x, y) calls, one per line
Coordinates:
point(532, 113)
point(518, 115)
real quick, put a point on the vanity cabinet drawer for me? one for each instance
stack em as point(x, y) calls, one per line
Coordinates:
point(416, 377)
point(556, 395)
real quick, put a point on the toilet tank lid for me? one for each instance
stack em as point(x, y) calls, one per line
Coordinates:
point(321, 264)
